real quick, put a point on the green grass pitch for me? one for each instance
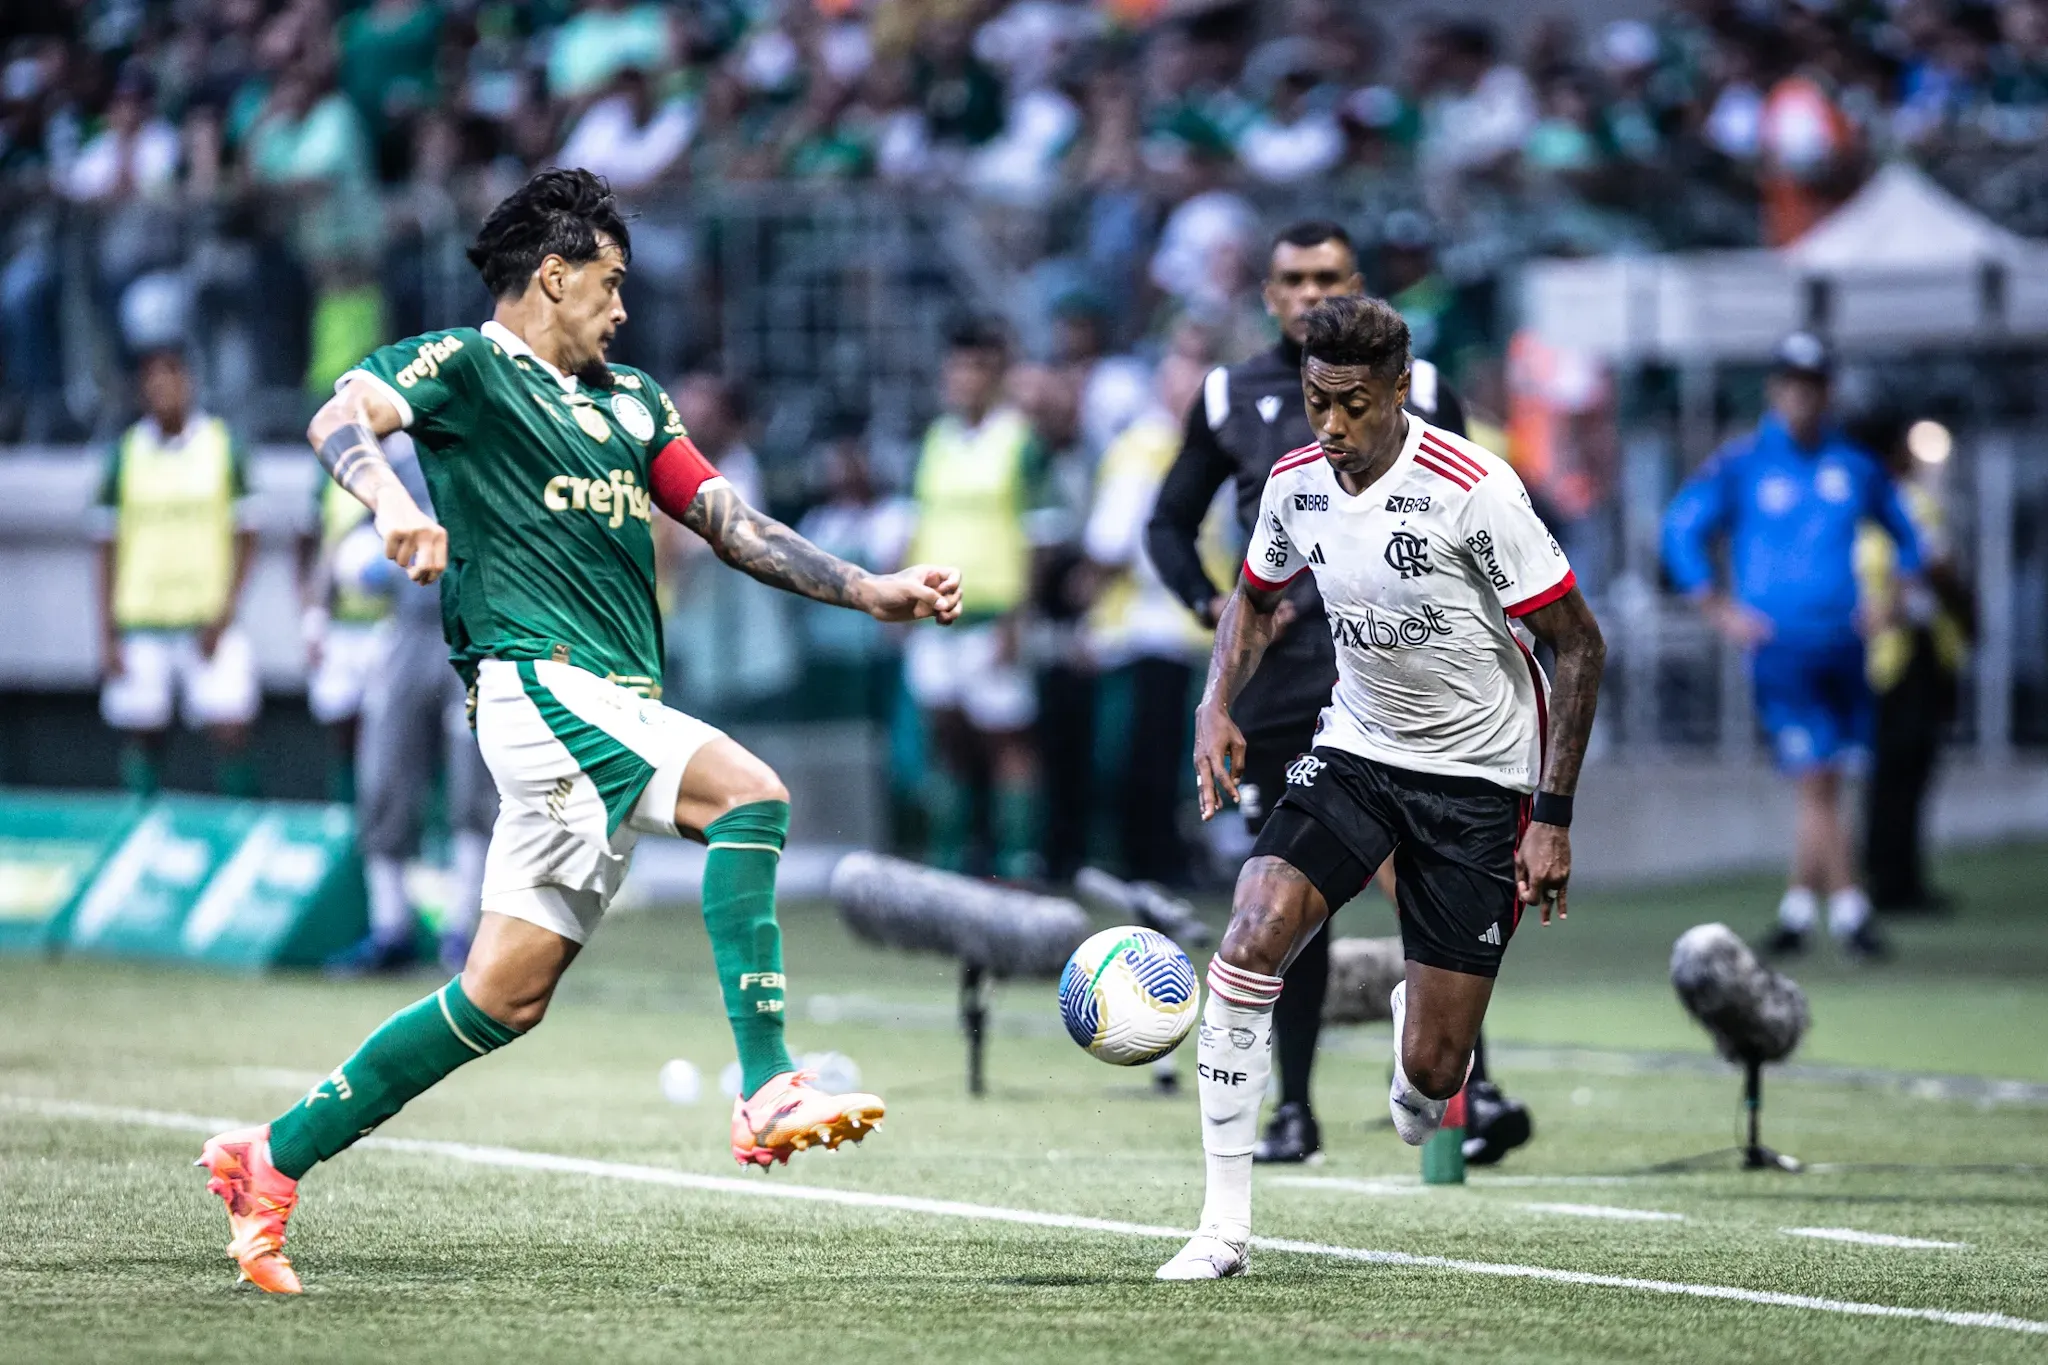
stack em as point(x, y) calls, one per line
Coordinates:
point(110, 1249)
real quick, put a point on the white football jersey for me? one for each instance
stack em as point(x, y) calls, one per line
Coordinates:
point(1421, 575)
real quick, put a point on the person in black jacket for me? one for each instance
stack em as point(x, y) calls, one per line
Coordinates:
point(1249, 415)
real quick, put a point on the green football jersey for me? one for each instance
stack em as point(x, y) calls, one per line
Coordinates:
point(543, 485)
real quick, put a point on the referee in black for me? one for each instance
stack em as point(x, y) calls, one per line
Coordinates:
point(1248, 416)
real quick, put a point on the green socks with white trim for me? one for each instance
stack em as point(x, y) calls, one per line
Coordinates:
point(409, 1052)
point(746, 942)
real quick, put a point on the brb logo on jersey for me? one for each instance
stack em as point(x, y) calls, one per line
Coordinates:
point(1400, 503)
point(1409, 554)
point(1311, 502)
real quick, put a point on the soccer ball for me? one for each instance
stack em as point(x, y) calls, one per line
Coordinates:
point(1128, 995)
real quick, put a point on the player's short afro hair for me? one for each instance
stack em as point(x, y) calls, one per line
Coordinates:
point(557, 213)
point(1357, 330)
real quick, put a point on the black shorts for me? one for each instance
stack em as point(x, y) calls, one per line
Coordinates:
point(1453, 841)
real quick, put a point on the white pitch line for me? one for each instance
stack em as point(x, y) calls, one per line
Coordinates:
point(1349, 1184)
point(514, 1159)
point(1608, 1211)
point(1874, 1239)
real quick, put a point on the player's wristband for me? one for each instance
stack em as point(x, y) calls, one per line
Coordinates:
point(1551, 809)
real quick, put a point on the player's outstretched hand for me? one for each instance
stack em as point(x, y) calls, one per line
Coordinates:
point(1543, 864)
point(1219, 757)
point(413, 540)
point(914, 594)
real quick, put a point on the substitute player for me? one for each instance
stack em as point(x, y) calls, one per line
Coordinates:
point(546, 465)
point(1249, 417)
point(1427, 555)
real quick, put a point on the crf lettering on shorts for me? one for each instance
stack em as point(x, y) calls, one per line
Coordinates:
point(1482, 547)
point(1218, 1074)
point(615, 500)
point(427, 364)
point(1378, 630)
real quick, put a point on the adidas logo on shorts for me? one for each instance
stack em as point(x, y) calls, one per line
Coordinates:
point(1492, 934)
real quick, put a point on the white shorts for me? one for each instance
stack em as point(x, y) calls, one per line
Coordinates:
point(958, 668)
point(349, 654)
point(217, 691)
point(583, 767)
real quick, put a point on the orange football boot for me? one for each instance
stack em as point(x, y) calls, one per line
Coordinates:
point(789, 1114)
point(259, 1198)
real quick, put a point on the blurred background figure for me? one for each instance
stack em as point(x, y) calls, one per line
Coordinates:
point(977, 480)
point(414, 729)
point(172, 563)
point(1789, 498)
point(730, 641)
point(1919, 641)
point(342, 624)
point(1141, 634)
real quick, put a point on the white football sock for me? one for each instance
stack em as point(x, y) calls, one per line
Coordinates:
point(466, 883)
point(1848, 909)
point(1236, 1057)
point(1416, 1116)
point(1799, 909)
point(390, 911)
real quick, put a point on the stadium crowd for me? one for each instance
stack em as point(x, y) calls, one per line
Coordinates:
point(1155, 135)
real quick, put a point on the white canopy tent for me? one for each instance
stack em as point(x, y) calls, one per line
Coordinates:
point(1902, 263)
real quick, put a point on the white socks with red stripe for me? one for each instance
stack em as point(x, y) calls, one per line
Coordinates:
point(1235, 1059)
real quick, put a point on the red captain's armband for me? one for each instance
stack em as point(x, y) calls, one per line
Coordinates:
point(678, 472)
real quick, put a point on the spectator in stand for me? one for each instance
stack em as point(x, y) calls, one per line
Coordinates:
point(629, 137)
point(388, 53)
point(1476, 114)
point(1811, 154)
point(604, 38)
point(135, 153)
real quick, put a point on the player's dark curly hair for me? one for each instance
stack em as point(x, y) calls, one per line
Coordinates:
point(557, 213)
point(1357, 330)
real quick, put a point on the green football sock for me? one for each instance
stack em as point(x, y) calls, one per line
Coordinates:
point(138, 769)
point(408, 1053)
point(746, 942)
point(1016, 822)
point(235, 774)
point(949, 810)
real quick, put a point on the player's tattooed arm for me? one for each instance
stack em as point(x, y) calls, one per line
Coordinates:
point(1543, 859)
point(1568, 627)
point(763, 548)
point(345, 434)
point(1249, 622)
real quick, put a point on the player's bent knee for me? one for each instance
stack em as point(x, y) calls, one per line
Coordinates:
point(1434, 1067)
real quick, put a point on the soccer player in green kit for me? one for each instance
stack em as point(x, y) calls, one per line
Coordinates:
point(546, 465)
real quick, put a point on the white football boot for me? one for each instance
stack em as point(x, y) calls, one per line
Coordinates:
point(1416, 1115)
point(1208, 1256)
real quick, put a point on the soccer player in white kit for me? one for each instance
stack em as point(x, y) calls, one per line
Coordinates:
point(1441, 743)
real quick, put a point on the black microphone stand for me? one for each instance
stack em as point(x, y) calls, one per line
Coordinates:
point(1755, 1156)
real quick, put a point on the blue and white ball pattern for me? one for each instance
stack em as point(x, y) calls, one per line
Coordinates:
point(1128, 995)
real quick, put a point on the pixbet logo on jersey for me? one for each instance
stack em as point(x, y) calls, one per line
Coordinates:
point(1377, 630)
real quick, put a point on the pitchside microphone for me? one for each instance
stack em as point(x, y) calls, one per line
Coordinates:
point(1755, 1015)
point(993, 930)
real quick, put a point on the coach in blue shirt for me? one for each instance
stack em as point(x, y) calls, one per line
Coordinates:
point(1789, 497)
